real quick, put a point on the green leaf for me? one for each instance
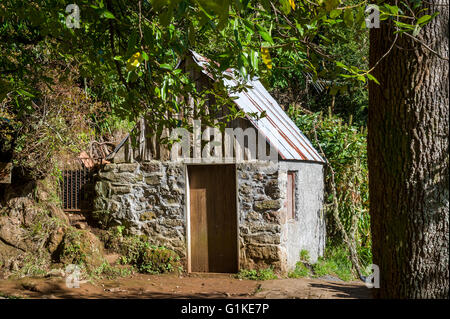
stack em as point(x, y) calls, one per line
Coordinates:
point(335, 13)
point(331, 4)
point(392, 9)
point(285, 6)
point(404, 25)
point(254, 59)
point(348, 17)
point(424, 19)
point(108, 15)
point(372, 78)
point(164, 90)
point(334, 90)
point(361, 78)
point(24, 93)
point(265, 35)
point(165, 66)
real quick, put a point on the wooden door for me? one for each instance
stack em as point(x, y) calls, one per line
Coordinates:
point(213, 218)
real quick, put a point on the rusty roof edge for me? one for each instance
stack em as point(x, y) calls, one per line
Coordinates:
point(271, 105)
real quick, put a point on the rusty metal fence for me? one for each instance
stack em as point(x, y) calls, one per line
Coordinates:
point(75, 178)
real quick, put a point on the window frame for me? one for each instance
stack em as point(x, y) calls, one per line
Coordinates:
point(291, 200)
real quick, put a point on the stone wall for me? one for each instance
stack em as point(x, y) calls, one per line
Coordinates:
point(307, 230)
point(149, 198)
point(146, 198)
point(262, 213)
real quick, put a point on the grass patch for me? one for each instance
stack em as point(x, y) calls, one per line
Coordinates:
point(302, 268)
point(336, 262)
point(300, 271)
point(112, 272)
point(253, 274)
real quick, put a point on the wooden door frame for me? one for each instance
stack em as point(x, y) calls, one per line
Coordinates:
point(188, 211)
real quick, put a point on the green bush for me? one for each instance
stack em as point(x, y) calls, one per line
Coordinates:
point(302, 268)
point(300, 271)
point(345, 147)
point(137, 251)
point(253, 274)
point(158, 260)
point(111, 272)
point(304, 255)
point(79, 247)
point(335, 262)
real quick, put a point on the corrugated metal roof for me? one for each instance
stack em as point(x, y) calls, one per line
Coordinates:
point(276, 126)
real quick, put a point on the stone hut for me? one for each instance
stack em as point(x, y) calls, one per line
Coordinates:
point(224, 214)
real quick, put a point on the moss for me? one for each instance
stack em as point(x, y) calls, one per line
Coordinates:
point(158, 260)
point(79, 247)
point(138, 252)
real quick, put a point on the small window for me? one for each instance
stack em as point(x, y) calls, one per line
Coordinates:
point(291, 195)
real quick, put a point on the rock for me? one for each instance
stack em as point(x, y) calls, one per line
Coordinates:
point(173, 222)
point(55, 239)
point(102, 188)
point(153, 180)
point(128, 167)
point(264, 205)
point(252, 216)
point(272, 189)
point(80, 225)
point(147, 216)
point(55, 273)
point(273, 217)
point(80, 247)
point(245, 189)
point(151, 167)
point(109, 167)
point(264, 238)
point(7, 255)
point(12, 233)
point(263, 252)
point(29, 214)
point(120, 178)
point(265, 227)
point(58, 213)
point(120, 190)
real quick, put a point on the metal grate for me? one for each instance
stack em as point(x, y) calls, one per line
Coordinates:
point(72, 188)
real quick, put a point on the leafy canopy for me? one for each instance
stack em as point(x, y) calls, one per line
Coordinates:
point(129, 50)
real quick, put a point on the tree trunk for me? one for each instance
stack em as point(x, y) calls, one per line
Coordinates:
point(409, 158)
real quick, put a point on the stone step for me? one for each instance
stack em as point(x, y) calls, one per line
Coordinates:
point(78, 220)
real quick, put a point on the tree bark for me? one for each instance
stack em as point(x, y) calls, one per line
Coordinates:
point(409, 158)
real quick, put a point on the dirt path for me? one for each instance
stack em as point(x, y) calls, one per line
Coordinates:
point(192, 286)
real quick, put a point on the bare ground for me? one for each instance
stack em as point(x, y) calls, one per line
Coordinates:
point(184, 286)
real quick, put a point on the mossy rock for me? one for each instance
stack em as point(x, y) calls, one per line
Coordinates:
point(80, 247)
point(158, 260)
